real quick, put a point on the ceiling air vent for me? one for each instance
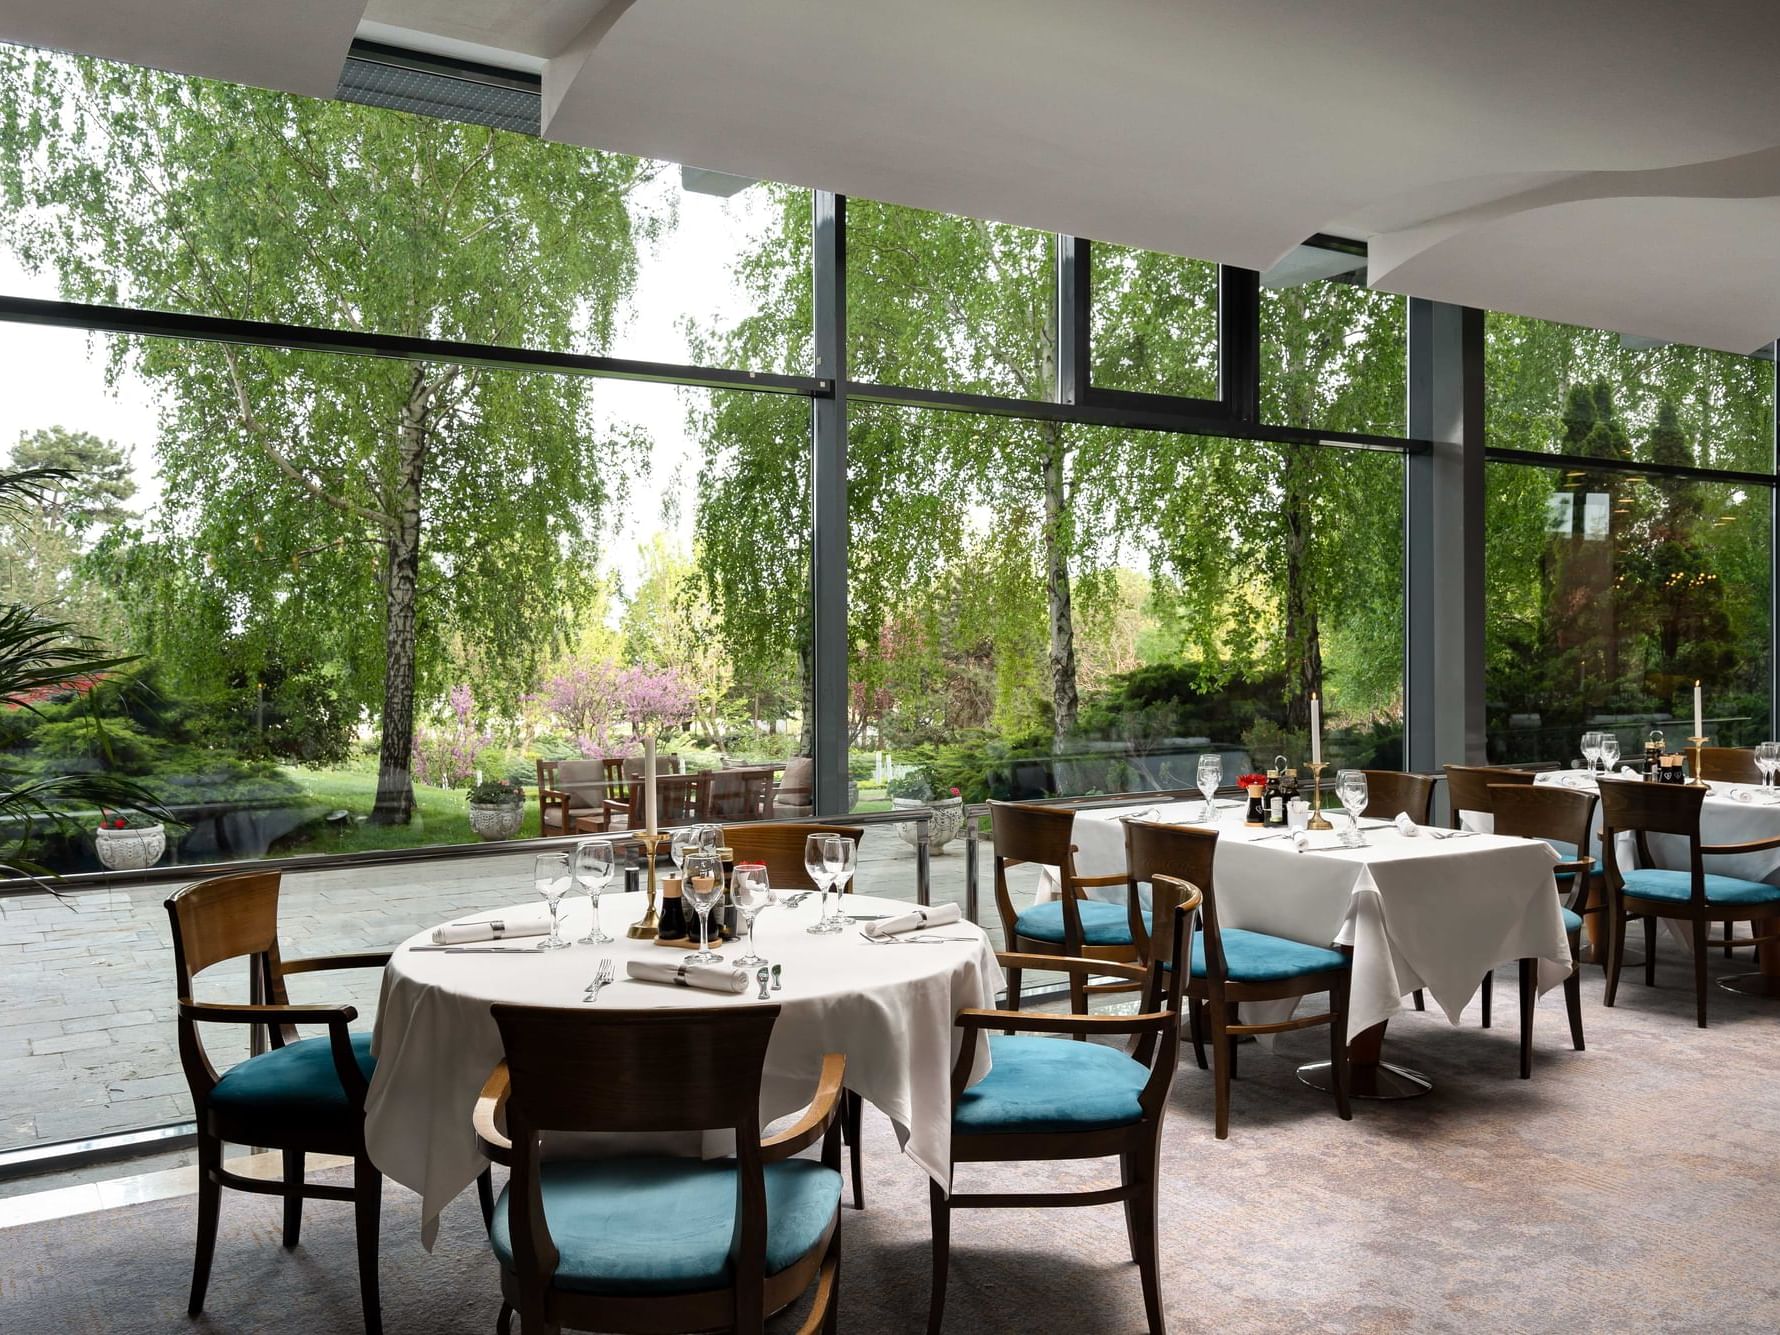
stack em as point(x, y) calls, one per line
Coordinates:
point(455, 90)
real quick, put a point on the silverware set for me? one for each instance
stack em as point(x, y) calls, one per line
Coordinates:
point(1450, 834)
point(603, 975)
point(477, 950)
point(919, 939)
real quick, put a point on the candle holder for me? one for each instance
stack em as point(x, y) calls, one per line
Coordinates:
point(1317, 820)
point(1698, 780)
point(644, 928)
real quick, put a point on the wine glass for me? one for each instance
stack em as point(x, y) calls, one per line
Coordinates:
point(593, 872)
point(1609, 751)
point(1211, 777)
point(683, 841)
point(1591, 749)
point(1350, 787)
point(816, 865)
point(838, 855)
point(752, 893)
point(550, 874)
point(1767, 760)
point(703, 888)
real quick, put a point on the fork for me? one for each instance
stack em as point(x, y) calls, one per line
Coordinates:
point(601, 977)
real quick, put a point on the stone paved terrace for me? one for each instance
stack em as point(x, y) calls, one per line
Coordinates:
point(87, 1040)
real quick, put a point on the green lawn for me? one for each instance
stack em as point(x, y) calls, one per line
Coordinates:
point(441, 815)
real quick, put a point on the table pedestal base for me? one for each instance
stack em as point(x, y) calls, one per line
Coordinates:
point(1752, 984)
point(1368, 1076)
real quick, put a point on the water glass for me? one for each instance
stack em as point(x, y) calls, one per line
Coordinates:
point(838, 854)
point(1350, 787)
point(703, 887)
point(1767, 760)
point(683, 841)
point(752, 893)
point(1211, 778)
point(1591, 749)
point(817, 866)
point(1609, 751)
point(550, 874)
point(593, 872)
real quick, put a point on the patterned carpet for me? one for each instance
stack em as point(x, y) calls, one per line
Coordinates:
point(1634, 1187)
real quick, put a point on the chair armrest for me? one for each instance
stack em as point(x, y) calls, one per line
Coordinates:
point(1578, 866)
point(1120, 879)
point(210, 1012)
point(370, 959)
point(1040, 1022)
point(1071, 964)
point(813, 1124)
point(491, 1105)
point(1751, 846)
point(548, 795)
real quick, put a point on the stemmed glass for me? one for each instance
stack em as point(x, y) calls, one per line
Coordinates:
point(817, 866)
point(752, 893)
point(1211, 777)
point(704, 887)
point(550, 874)
point(1350, 787)
point(1609, 751)
point(837, 857)
point(593, 871)
point(1767, 760)
point(1591, 749)
point(683, 841)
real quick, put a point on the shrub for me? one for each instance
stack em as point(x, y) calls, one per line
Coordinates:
point(120, 747)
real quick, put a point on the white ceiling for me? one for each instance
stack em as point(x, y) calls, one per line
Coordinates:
point(1608, 162)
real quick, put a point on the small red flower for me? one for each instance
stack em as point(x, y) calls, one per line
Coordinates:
point(956, 793)
point(118, 824)
point(1252, 780)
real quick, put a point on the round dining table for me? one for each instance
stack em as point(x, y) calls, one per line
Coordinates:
point(888, 1007)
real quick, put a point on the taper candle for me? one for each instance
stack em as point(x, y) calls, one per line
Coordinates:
point(1316, 730)
point(649, 778)
point(1699, 713)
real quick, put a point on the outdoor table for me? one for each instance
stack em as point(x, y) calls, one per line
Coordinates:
point(888, 1008)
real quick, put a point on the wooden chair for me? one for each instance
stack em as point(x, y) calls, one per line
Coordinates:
point(1729, 764)
point(1693, 896)
point(1044, 1099)
point(1228, 966)
point(1390, 793)
point(617, 785)
point(1468, 788)
point(741, 794)
point(301, 1096)
point(1562, 817)
point(569, 790)
point(779, 846)
point(680, 799)
point(646, 1244)
point(1070, 924)
point(795, 794)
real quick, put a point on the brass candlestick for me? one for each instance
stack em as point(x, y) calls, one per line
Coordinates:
point(1698, 742)
point(644, 928)
point(1316, 821)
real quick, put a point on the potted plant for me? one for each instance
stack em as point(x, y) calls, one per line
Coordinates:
point(497, 808)
point(128, 841)
point(916, 789)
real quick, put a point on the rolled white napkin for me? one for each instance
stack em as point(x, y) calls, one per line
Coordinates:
point(495, 927)
point(1148, 813)
point(711, 977)
point(1629, 772)
point(1406, 827)
point(937, 916)
point(1300, 839)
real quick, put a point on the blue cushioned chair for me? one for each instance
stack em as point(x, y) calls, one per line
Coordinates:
point(1562, 818)
point(1070, 924)
point(1044, 1098)
point(298, 1096)
point(1728, 764)
point(657, 1243)
point(1214, 970)
point(1648, 892)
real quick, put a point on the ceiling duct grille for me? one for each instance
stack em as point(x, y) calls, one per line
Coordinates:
point(456, 90)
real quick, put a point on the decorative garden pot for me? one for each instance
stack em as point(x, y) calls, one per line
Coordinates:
point(947, 821)
point(130, 850)
point(496, 820)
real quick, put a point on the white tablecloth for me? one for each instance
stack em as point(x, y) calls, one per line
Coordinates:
point(888, 1008)
point(1418, 912)
point(1733, 813)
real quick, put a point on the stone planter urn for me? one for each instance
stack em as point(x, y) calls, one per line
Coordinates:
point(130, 850)
point(948, 820)
point(496, 820)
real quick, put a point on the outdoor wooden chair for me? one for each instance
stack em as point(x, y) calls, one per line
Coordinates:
point(300, 1096)
point(570, 790)
point(1694, 896)
point(1044, 1100)
point(680, 799)
point(1069, 924)
point(657, 1243)
point(741, 794)
point(1562, 817)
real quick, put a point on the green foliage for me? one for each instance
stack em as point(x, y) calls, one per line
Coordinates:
point(497, 792)
point(120, 747)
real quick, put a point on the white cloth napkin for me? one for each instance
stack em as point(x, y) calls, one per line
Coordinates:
point(711, 977)
point(938, 916)
point(1629, 772)
point(1300, 839)
point(495, 927)
point(1406, 827)
point(1148, 813)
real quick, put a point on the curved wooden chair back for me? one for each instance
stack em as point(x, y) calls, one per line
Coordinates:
point(1468, 787)
point(225, 918)
point(1640, 809)
point(1544, 811)
point(1392, 792)
point(1023, 832)
point(1181, 855)
point(1729, 764)
point(741, 794)
point(779, 844)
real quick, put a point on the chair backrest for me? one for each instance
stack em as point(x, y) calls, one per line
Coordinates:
point(680, 799)
point(226, 918)
point(797, 782)
point(1544, 811)
point(779, 845)
point(583, 781)
point(741, 794)
point(546, 776)
point(1181, 853)
point(666, 762)
point(1728, 764)
point(1390, 793)
point(1026, 832)
point(1640, 808)
point(617, 786)
point(1468, 787)
point(684, 1070)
